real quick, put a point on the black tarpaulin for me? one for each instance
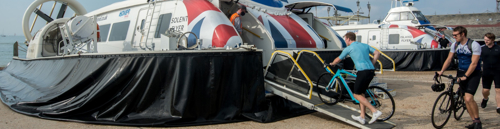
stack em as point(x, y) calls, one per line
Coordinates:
point(167, 89)
point(415, 60)
point(405, 60)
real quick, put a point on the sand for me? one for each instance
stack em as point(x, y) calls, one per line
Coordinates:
point(414, 102)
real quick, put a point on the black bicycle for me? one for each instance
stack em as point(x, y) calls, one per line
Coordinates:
point(447, 102)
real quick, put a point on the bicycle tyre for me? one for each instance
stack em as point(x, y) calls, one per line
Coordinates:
point(459, 108)
point(323, 80)
point(386, 106)
point(446, 110)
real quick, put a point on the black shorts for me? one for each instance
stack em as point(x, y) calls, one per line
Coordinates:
point(470, 85)
point(489, 76)
point(363, 80)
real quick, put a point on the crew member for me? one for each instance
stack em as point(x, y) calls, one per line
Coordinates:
point(236, 18)
point(443, 42)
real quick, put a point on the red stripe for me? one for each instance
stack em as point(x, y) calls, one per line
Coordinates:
point(393, 26)
point(434, 44)
point(222, 34)
point(298, 33)
point(196, 7)
point(260, 19)
point(415, 32)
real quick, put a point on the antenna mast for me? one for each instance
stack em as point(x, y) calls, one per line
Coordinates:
point(498, 6)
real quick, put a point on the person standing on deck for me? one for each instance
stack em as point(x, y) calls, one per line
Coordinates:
point(443, 42)
point(236, 18)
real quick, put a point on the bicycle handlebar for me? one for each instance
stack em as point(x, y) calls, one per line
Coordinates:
point(446, 76)
point(339, 65)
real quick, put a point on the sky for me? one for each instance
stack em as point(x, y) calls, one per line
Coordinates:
point(12, 11)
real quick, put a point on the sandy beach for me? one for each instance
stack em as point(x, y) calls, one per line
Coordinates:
point(414, 102)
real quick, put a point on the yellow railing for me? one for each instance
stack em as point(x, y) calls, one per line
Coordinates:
point(323, 37)
point(316, 54)
point(393, 63)
point(249, 31)
point(381, 66)
point(298, 66)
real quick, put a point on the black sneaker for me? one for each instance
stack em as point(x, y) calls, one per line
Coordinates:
point(498, 110)
point(471, 126)
point(478, 126)
point(483, 104)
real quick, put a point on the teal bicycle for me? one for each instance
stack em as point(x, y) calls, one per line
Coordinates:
point(332, 88)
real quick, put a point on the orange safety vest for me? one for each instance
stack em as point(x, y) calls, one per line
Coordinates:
point(233, 17)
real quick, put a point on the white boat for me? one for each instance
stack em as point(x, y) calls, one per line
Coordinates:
point(134, 26)
point(404, 27)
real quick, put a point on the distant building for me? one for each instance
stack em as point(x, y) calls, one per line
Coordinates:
point(477, 24)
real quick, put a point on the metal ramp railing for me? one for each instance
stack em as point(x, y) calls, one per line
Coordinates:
point(285, 77)
point(284, 69)
point(388, 58)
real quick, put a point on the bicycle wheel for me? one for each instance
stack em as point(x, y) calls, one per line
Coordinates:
point(441, 110)
point(330, 97)
point(459, 107)
point(375, 95)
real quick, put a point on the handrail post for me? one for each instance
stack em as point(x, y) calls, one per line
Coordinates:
point(16, 52)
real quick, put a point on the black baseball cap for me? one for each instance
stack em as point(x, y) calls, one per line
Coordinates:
point(243, 7)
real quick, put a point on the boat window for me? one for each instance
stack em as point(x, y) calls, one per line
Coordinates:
point(407, 16)
point(374, 37)
point(420, 16)
point(119, 31)
point(393, 17)
point(142, 23)
point(104, 31)
point(163, 24)
point(358, 38)
point(394, 39)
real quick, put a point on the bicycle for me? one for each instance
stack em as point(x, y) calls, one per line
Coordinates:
point(445, 104)
point(333, 92)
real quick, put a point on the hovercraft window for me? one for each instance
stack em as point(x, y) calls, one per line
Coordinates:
point(119, 31)
point(393, 17)
point(394, 39)
point(104, 31)
point(358, 38)
point(164, 23)
point(407, 16)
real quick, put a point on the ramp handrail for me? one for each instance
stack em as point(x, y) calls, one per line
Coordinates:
point(322, 61)
point(295, 64)
point(386, 56)
point(381, 66)
point(315, 54)
point(253, 33)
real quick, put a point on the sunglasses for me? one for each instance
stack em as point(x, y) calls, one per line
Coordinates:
point(455, 35)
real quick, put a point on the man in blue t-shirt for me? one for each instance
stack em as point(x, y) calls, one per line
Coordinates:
point(469, 71)
point(359, 53)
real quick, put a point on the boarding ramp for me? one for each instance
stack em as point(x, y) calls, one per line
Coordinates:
point(286, 78)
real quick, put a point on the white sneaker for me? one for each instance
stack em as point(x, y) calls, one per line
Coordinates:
point(375, 116)
point(359, 119)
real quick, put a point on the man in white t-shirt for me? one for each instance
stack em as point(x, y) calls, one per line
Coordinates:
point(469, 70)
